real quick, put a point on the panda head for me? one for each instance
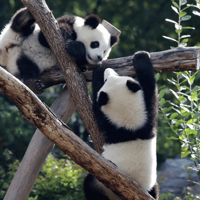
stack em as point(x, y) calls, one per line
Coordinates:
point(121, 101)
point(96, 38)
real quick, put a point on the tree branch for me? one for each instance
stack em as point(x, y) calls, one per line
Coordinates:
point(75, 81)
point(179, 59)
point(54, 129)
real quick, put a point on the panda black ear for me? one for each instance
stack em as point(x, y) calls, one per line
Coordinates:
point(113, 40)
point(133, 86)
point(92, 20)
point(23, 22)
point(103, 99)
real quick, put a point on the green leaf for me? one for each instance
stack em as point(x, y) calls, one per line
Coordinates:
point(185, 36)
point(175, 9)
point(168, 38)
point(194, 96)
point(185, 18)
point(162, 101)
point(188, 27)
point(183, 2)
point(171, 81)
point(175, 94)
point(178, 73)
point(184, 154)
point(182, 14)
point(175, 4)
point(173, 116)
point(184, 113)
point(178, 30)
point(172, 21)
point(181, 98)
point(161, 93)
point(192, 79)
point(172, 138)
point(187, 77)
point(196, 13)
point(184, 41)
point(157, 76)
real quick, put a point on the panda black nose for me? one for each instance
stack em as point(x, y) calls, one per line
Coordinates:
point(99, 58)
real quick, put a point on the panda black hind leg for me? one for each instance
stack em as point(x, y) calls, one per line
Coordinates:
point(29, 74)
point(92, 189)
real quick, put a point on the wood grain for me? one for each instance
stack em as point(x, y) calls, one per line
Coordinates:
point(179, 59)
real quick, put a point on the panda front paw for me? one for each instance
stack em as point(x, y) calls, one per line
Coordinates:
point(141, 60)
point(35, 85)
point(141, 55)
point(39, 86)
point(69, 46)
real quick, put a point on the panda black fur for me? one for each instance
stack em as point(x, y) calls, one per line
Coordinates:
point(25, 52)
point(126, 112)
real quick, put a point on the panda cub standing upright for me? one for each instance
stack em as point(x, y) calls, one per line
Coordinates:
point(126, 112)
point(25, 52)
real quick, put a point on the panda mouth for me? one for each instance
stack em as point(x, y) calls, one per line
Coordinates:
point(93, 61)
point(90, 57)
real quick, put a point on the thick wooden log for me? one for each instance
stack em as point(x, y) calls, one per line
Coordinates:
point(75, 81)
point(37, 152)
point(179, 59)
point(54, 129)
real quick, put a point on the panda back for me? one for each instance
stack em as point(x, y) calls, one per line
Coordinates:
point(137, 158)
point(38, 53)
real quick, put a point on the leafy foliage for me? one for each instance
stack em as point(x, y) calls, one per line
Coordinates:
point(59, 180)
point(183, 115)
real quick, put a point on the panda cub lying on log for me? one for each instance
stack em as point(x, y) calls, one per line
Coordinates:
point(25, 52)
point(126, 112)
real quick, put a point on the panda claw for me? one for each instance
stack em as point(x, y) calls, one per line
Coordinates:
point(39, 86)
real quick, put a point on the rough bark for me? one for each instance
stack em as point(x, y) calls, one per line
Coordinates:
point(37, 152)
point(75, 81)
point(34, 111)
point(179, 59)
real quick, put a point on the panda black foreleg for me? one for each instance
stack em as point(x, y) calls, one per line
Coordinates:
point(77, 50)
point(154, 192)
point(144, 70)
point(93, 190)
point(23, 22)
point(29, 74)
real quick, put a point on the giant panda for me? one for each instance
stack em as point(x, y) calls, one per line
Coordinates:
point(126, 112)
point(25, 52)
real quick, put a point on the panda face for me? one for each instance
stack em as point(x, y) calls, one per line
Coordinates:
point(97, 40)
point(121, 100)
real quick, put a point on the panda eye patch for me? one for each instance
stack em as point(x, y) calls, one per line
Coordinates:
point(94, 45)
point(104, 51)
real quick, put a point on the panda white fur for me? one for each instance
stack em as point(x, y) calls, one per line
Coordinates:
point(126, 112)
point(25, 52)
